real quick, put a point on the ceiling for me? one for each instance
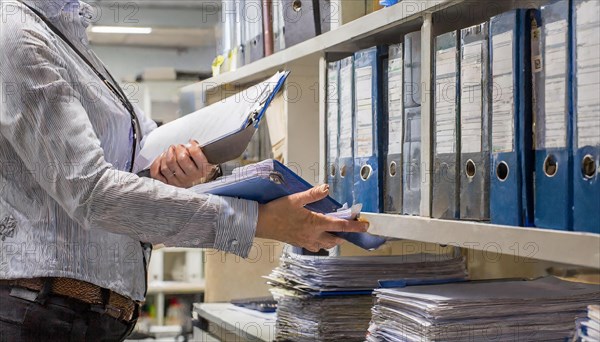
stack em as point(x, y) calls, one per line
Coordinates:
point(181, 38)
point(171, 4)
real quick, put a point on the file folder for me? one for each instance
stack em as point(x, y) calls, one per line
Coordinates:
point(269, 180)
point(254, 48)
point(222, 138)
point(392, 200)
point(346, 136)
point(511, 192)
point(445, 201)
point(586, 126)
point(412, 69)
point(305, 19)
point(368, 119)
point(474, 123)
point(411, 179)
point(333, 116)
point(412, 162)
point(552, 117)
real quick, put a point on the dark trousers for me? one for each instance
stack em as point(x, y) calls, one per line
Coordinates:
point(23, 317)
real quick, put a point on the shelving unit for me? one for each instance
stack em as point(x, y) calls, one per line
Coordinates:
point(306, 124)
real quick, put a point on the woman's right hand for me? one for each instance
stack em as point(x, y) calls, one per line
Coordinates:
point(288, 221)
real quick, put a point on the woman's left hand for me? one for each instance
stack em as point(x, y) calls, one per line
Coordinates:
point(183, 166)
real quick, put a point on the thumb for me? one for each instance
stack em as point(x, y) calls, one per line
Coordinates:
point(310, 196)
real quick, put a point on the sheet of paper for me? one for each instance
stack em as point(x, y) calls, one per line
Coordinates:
point(445, 105)
point(503, 94)
point(364, 111)
point(471, 100)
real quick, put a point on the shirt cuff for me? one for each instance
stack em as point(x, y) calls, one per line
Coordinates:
point(236, 225)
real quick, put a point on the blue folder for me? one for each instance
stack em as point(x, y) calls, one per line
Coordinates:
point(511, 172)
point(586, 116)
point(552, 116)
point(346, 138)
point(368, 120)
point(269, 180)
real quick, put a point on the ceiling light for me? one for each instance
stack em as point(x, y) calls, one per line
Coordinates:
point(121, 29)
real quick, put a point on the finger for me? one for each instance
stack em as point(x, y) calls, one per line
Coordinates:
point(155, 169)
point(328, 241)
point(338, 225)
point(310, 196)
point(172, 164)
point(198, 157)
point(184, 161)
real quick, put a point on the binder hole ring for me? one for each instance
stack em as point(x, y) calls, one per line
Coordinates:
point(588, 166)
point(275, 179)
point(365, 172)
point(393, 169)
point(470, 168)
point(297, 5)
point(332, 170)
point(502, 171)
point(343, 171)
point(550, 166)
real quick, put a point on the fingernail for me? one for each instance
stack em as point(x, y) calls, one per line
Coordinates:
point(366, 225)
point(325, 188)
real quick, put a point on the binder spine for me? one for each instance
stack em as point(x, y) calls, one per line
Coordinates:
point(346, 136)
point(332, 129)
point(395, 110)
point(445, 203)
point(474, 117)
point(368, 73)
point(411, 203)
point(552, 116)
point(586, 116)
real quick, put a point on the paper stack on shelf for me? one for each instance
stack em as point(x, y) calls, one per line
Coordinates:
point(588, 329)
point(516, 310)
point(329, 298)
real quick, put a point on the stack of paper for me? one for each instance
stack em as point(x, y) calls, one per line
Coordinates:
point(329, 298)
point(538, 310)
point(588, 329)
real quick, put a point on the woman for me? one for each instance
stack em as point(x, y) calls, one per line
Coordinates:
point(75, 222)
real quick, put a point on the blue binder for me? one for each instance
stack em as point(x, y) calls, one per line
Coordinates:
point(368, 123)
point(511, 172)
point(269, 180)
point(586, 116)
point(411, 202)
point(552, 116)
point(333, 125)
point(346, 136)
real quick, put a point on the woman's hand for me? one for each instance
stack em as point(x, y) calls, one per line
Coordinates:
point(288, 221)
point(183, 166)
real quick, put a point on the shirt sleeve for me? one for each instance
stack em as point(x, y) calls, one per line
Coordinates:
point(46, 124)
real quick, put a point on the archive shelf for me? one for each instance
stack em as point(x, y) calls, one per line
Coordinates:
point(305, 147)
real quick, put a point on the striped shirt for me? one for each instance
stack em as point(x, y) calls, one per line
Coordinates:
point(68, 205)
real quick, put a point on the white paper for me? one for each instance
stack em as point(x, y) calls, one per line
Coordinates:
point(332, 113)
point(555, 101)
point(364, 111)
point(445, 102)
point(471, 100)
point(395, 105)
point(502, 93)
point(345, 142)
point(588, 74)
point(208, 124)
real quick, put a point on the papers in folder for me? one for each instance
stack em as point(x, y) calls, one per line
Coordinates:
point(538, 310)
point(329, 298)
point(269, 180)
point(223, 129)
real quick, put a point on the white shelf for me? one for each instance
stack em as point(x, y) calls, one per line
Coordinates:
point(175, 287)
point(349, 37)
point(582, 249)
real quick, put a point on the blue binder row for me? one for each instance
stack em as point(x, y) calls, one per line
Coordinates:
point(516, 121)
